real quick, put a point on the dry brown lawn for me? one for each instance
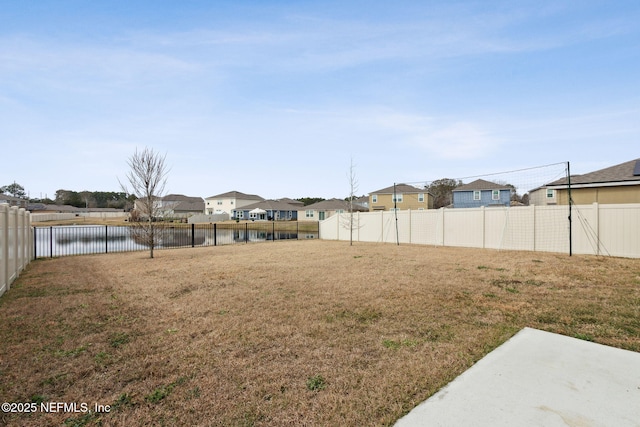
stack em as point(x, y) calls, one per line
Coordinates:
point(312, 333)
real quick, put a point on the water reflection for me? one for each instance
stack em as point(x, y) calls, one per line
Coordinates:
point(86, 239)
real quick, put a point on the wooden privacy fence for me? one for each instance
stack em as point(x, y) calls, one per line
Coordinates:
point(596, 229)
point(16, 243)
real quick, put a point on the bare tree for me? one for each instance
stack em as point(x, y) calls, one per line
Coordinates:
point(350, 224)
point(147, 178)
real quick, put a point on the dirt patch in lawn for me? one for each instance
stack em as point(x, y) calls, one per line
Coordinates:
point(286, 333)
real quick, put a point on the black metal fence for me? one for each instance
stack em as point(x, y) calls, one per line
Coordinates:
point(91, 239)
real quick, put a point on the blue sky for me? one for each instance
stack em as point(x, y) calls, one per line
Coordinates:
point(277, 98)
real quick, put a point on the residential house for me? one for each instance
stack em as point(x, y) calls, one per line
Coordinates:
point(13, 201)
point(225, 203)
point(401, 197)
point(481, 193)
point(326, 208)
point(49, 208)
point(612, 185)
point(266, 210)
point(362, 202)
point(292, 201)
point(181, 206)
point(173, 206)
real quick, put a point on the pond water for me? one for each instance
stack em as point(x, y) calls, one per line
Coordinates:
point(87, 239)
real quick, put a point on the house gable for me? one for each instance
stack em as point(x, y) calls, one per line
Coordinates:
point(225, 203)
point(402, 197)
point(481, 193)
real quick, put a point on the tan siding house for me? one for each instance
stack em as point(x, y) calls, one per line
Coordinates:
point(401, 197)
point(613, 185)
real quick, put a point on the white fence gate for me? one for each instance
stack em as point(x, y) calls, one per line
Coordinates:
point(16, 243)
point(612, 230)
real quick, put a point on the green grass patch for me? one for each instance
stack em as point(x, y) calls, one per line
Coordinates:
point(316, 383)
point(162, 392)
point(585, 337)
point(118, 339)
point(73, 352)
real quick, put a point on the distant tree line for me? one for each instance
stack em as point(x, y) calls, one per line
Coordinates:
point(94, 199)
point(14, 189)
point(82, 199)
point(310, 200)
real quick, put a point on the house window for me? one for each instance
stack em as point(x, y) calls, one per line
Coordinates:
point(421, 197)
point(339, 211)
point(240, 214)
point(397, 198)
point(476, 194)
point(374, 198)
point(551, 194)
point(309, 214)
point(219, 202)
point(495, 194)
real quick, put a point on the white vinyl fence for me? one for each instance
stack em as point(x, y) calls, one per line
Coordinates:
point(612, 230)
point(16, 243)
point(41, 217)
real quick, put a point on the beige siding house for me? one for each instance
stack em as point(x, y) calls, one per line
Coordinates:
point(225, 203)
point(612, 185)
point(401, 197)
point(324, 209)
point(13, 201)
point(179, 206)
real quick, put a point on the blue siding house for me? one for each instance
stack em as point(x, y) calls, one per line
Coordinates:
point(481, 193)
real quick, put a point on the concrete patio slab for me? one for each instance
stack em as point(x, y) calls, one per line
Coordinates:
point(539, 379)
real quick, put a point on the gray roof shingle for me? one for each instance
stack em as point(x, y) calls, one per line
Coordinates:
point(481, 184)
point(333, 205)
point(236, 195)
point(627, 171)
point(400, 188)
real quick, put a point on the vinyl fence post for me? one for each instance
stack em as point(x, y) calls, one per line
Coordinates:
point(193, 236)
point(35, 243)
point(4, 250)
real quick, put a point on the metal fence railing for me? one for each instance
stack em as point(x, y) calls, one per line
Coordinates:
point(57, 241)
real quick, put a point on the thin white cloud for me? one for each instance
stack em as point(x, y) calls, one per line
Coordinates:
point(86, 63)
point(459, 140)
point(439, 137)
